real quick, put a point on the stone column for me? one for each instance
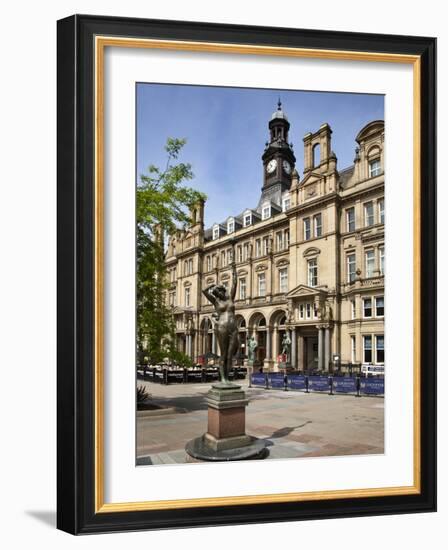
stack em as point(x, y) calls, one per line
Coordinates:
point(320, 348)
point(275, 346)
point(327, 349)
point(268, 344)
point(293, 348)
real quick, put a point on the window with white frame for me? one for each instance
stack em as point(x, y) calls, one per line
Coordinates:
point(381, 210)
point(266, 212)
point(265, 245)
point(239, 253)
point(350, 219)
point(370, 263)
point(261, 284)
point(379, 348)
point(215, 232)
point(247, 219)
point(279, 240)
point(317, 221)
point(231, 225)
point(229, 256)
point(307, 229)
point(171, 299)
point(283, 279)
point(242, 289)
point(301, 311)
point(353, 308)
point(245, 251)
point(286, 239)
point(223, 258)
point(367, 307)
point(353, 349)
point(187, 297)
point(379, 306)
point(381, 252)
point(286, 203)
point(367, 341)
point(308, 310)
point(351, 267)
point(315, 311)
point(257, 248)
point(369, 217)
point(312, 272)
point(209, 263)
point(374, 168)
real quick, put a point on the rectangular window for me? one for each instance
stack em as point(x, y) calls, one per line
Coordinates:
point(353, 308)
point(379, 345)
point(367, 307)
point(231, 227)
point(245, 251)
point(286, 204)
point(279, 241)
point(283, 280)
point(306, 229)
point(370, 263)
point(301, 311)
point(215, 233)
point(257, 248)
point(353, 349)
point(379, 306)
point(312, 272)
point(351, 268)
point(187, 297)
point(240, 253)
point(318, 225)
point(229, 256)
point(350, 219)
point(265, 245)
point(171, 299)
point(247, 220)
point(261, 284)
point(242, 293)
point(315, 311)
point(308, 311)
point(209, 263)
point(266, 212)
point(381, 251)
point(369, 218)
point(190, 266)
point(374, 168)
point(286, 238)
point(381, 210)
point(367, 349)
point(223, 258)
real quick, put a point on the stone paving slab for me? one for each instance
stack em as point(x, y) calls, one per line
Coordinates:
point(294, 424)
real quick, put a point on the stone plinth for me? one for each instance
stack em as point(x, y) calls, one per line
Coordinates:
point(226, 437)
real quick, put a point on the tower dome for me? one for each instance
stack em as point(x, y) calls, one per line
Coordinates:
point(279, 112)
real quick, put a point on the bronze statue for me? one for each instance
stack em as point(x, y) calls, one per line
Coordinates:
point(225, 328)
point(252, 345)
point(286, 345)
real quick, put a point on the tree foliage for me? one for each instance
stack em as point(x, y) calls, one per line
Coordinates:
point(163, 202)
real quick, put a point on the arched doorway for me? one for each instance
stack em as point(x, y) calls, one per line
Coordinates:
point(242, 335)
point(258, 327)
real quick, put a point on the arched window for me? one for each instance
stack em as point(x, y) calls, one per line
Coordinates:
point(316, 155)
point(262, 322)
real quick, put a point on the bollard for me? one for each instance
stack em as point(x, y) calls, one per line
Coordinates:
point(306, 384)
point(358, 386)
point(165, 376)
point(331, 385)
point(285, 383)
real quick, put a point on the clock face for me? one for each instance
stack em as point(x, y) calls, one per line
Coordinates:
point(272, 165)
point(286, 167)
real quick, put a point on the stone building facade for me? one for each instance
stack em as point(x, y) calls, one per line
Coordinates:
point(309, 256)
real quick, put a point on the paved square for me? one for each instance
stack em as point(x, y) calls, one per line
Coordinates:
point(294, 424)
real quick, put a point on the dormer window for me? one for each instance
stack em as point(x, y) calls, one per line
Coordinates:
point(215, 232)
point(266, 211)
point(247, 219)
point(286, 203)
point(230, 225)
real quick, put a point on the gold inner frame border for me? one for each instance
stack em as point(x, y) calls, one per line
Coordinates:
point(101, 42)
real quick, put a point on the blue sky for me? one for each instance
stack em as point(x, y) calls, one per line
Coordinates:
point(226, 129)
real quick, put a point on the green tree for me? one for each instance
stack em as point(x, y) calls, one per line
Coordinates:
point(163, 202)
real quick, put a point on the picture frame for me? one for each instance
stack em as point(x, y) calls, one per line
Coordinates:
point(82, 41)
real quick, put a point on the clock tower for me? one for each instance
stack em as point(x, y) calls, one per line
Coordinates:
point(278, 158)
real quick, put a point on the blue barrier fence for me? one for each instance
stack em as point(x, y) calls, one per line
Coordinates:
point(354, 385)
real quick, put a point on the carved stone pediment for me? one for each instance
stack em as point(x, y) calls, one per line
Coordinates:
point(302, 291)
point(187, 283)
point(210, 280)
point(311, 251)
point(242, 272)
point(262, 267)
point(282, 262)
